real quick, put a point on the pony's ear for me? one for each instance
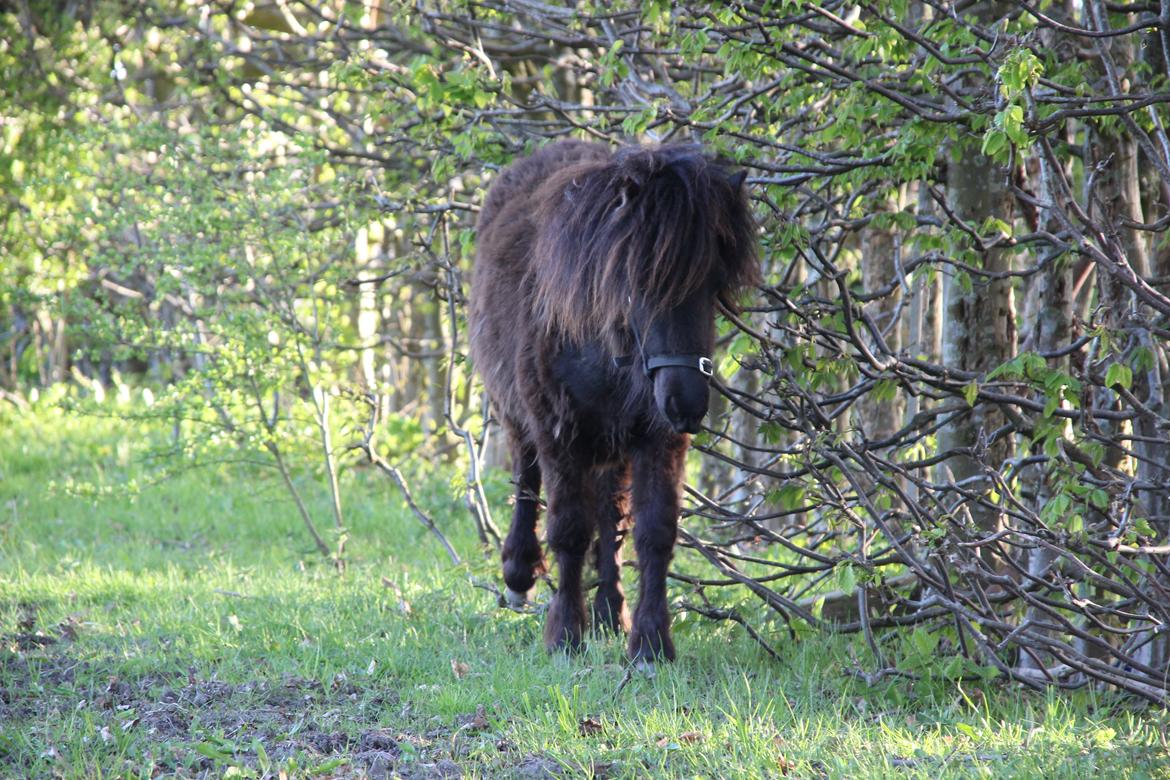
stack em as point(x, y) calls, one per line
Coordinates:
point(737, 179)
point(627, 191)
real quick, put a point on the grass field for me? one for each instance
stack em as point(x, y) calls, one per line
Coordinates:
point(186, 628)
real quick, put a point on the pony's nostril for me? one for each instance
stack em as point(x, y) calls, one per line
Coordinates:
point(683, 417)
point(686, 424)
point(681, 421)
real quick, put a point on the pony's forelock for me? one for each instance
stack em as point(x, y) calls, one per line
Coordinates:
point(656, 225)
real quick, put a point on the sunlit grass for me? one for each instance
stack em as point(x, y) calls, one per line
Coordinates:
point(153, 591)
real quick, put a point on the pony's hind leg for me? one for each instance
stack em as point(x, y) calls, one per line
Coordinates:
point(571, 512)
point(522, 556)
point(657, 481)
point(609, 605)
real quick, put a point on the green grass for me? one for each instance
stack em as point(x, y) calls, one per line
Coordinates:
point(187, 628)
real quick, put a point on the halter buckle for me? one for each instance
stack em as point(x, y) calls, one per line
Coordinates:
point(706, 367)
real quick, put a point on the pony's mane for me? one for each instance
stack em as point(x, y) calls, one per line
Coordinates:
point(656, 224)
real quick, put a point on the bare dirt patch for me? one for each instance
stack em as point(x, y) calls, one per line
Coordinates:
point(191, 724)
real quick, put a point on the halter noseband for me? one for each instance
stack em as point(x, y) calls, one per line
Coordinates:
point(701, 363)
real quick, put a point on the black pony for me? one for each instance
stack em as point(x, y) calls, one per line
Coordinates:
point(592, 323)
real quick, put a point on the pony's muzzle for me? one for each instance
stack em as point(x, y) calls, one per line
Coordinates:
point(686, 424)
point(681, 395)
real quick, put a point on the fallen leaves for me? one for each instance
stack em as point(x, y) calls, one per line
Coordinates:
point(459, 669)
point(476, 722)
point(28, 637)
point(686, 738)
point(783, 763)
point(404, 607)
point(589, 727)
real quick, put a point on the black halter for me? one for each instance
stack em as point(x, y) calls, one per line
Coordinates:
point(650, 364)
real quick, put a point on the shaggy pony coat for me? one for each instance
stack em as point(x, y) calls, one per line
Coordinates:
point(582, 252)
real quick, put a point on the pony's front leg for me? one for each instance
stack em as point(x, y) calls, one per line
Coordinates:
point(522, 557)
point(570, 532)
point(657, 476)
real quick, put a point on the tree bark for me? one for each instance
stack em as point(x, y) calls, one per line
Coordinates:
point(979, 333)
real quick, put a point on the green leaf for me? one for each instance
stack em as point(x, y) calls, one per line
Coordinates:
point(971, 393)
point(1012, 368)
point(1119, 374)
point(996, 225)
point(924, 641)
point(791, 496)
point(846, 578)
point(885, 390)
point(611, 67)
point(1057, 507)
point(1103, 737)
point(1143, 528)
point(1051, 405)
point(328, 766)
point(1020, 69)
point(1013, 124)
point(1095, 450)
point(212, 752)
point(1034, 364)
point(993, 142)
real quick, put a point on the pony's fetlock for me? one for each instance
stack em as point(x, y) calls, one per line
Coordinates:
point(609, 611)
point(522, 567)
point(564, 627)
point(650, 642)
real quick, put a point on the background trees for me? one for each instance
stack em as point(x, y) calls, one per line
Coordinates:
point(946, 408)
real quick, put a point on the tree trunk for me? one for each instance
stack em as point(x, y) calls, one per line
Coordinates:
point(879, 267)
point(979, 333)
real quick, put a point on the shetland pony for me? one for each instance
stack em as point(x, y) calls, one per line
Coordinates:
point(592, 324)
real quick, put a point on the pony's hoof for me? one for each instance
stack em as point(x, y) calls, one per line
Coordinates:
point(650, 646)
point(514, 598)
point(606, 621)
point(564, 625)
point(565, 646)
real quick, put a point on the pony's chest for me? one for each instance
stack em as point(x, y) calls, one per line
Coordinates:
point(601, 396)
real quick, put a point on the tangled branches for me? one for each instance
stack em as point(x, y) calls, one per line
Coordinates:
point(948, 406)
